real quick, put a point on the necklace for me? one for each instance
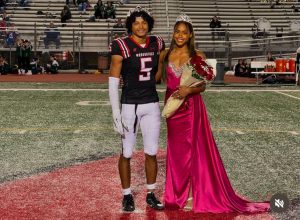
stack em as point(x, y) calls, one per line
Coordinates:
point(176, 70)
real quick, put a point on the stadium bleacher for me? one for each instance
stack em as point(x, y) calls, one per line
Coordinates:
point(238, 18)
point(93, 35)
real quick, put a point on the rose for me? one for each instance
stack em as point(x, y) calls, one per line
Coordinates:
point(201, 68)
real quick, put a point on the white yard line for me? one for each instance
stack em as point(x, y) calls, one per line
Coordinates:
point(244, 131)
point(22, 131)
point(77, 131)
point(159, 90)
point(20, 89)
point(280, 92)
point(85, 129)
point(85, 103)
point(239, 132)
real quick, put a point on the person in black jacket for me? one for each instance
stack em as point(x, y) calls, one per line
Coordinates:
point(65, 15)
point(215, 25)
point(242, 69)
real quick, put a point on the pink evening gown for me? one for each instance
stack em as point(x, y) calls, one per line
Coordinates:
point(193, 159)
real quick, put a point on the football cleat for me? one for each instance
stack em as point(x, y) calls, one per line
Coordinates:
point(153, 202)
point(128, 203)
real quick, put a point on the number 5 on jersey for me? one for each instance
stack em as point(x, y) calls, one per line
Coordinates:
point(145, 72)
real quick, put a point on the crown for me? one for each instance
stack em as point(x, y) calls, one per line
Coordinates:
point(137, 9)
point(183, 17)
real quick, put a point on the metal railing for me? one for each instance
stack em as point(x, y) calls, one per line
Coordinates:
point(225, 48)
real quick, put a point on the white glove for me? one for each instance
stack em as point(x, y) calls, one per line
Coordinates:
point(119, 125)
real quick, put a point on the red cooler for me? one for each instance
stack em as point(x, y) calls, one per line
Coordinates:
point(284, 64)
point(292, 65)
point(279, 65)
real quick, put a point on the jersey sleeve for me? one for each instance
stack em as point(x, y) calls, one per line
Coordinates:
point(115, 48)
point(160, 42)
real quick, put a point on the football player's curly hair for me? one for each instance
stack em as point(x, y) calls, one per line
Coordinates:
point(130, 19)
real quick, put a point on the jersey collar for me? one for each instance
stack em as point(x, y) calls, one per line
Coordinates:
point(136, 43)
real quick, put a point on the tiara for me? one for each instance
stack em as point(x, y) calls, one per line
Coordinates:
point(183, 17)
point(137, 9)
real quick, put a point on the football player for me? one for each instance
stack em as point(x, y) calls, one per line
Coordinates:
point(135, 58)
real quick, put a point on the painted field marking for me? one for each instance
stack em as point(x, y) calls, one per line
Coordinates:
point(86, 103)
point(254, 130)
point(48, 90)
point(41, 129)
point(159, 90)
point(104, 103)
point(77, 130)
point(22, 131)
point(294, 97)
point(239, 132)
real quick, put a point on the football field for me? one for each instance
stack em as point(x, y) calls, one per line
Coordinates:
point(49, 126)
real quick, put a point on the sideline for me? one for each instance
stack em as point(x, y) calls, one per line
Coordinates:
point(160, 90)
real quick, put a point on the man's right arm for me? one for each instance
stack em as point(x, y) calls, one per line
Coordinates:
point(115, 66)
point(113, 85)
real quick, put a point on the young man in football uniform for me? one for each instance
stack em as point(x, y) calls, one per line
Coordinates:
point(135, 58)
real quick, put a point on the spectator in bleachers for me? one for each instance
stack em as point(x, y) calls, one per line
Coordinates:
point(65, 15)
point(119, 24)
point(48, 14)
point(82, 5)
point(270, 56)
point(279, 32)
point(99, 9)
point(294, 8)
point(2, 5)
point(241, 68)
point(263, 26)
point(4, 67)
point(122, 2)
point(23, 3)
point(110, 10)
point(5, 23)
point(52, 66)
point(2, 28)
point(19, 46)
point(119, 29)
point(52, 34)
point(274, 3)
point(91, 18)
point(5, 17)
point(215, 25)
point(11, 36)
point(257, 33)
point(26, 54)
point(35, 66)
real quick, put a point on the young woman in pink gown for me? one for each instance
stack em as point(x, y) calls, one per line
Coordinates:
point(194, 170)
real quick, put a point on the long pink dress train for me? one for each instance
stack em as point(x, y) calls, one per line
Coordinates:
point(193, 158)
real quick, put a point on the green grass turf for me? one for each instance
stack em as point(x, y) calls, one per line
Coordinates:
point(258, 134)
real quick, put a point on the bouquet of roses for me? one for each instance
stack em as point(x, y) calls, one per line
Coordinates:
point(194, 73)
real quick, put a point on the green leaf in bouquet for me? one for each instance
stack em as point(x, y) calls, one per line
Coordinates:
point(197, 76)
